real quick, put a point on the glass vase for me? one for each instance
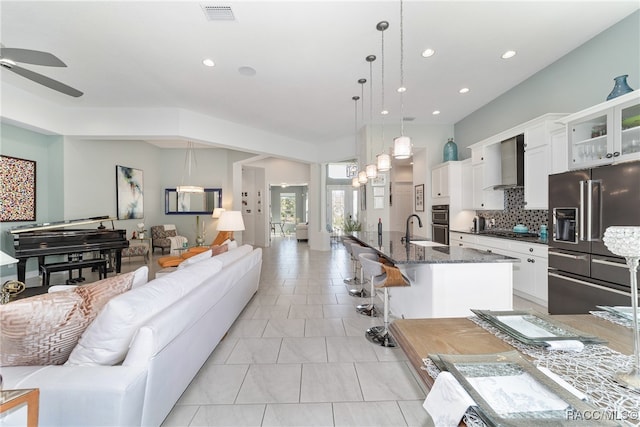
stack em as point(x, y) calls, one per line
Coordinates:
point(450, 152)
point(620, 87)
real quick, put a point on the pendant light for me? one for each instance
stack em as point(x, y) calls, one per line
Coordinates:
point(362, 176)
point(383, 159)
point(187, 168)
point(402, 144)
point(371, 170)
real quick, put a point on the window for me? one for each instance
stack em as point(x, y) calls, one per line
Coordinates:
point(288, 207)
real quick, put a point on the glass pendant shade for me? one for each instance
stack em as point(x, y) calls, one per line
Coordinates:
point(354, 182)
point(402, 147)
point(371, 171)
point(362, 177)
point(384, 162)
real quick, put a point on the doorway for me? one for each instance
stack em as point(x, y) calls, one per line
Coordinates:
point(342, 203)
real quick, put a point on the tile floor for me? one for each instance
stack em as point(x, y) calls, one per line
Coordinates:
point(297, 355)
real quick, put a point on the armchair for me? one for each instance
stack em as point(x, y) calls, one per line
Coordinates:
point(162, 237)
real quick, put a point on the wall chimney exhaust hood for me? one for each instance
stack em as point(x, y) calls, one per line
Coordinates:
point(512, 161)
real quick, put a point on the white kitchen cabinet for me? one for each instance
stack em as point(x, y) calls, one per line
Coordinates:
point(536, 177)
point(484, 199)
point(440, 182)
point(559, 151)
point(463, 240)
point(605, 133)
point(537, 159)
point(529, 274)
point(467, 184)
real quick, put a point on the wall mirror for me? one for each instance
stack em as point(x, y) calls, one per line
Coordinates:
point(192, 203)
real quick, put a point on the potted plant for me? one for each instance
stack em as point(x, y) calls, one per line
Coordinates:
point(351, 225)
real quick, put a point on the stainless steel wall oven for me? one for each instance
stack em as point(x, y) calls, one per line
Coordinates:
point(440, 224)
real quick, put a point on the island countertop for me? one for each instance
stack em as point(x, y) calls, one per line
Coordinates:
point(422, 251)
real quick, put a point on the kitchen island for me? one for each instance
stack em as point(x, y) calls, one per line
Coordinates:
point(445, 281)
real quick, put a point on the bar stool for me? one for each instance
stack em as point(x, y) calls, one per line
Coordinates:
point(356, 250)
point(347, 242)
point(372, 268)
point(380, 334)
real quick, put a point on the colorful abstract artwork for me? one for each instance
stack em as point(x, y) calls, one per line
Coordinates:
point(130, 189)
point(17, 189)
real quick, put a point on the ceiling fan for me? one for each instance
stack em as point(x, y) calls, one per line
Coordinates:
point(9, 57)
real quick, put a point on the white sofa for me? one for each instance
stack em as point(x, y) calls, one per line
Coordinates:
point(195, 306)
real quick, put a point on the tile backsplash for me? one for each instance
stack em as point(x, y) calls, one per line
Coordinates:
point(514, 213)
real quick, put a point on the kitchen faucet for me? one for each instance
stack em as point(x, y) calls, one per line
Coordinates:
point(407, 233)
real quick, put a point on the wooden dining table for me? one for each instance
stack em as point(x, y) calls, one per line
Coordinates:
point(420, 337)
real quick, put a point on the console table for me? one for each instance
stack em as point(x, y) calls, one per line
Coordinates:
point(31, 397)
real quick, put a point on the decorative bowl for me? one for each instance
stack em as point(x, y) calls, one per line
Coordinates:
point(519, 228)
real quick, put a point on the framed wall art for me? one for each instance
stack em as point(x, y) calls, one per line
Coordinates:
point(419, 197)
point(18, 189)
point(130, 192)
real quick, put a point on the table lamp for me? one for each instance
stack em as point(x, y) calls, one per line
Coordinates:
point(625, 242)
point(230, 221)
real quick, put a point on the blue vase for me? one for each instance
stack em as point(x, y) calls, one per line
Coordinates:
point(450, 151)
point(620, 88)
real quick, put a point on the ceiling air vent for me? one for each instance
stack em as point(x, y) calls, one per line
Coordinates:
point(408, 119)
point(218, 13)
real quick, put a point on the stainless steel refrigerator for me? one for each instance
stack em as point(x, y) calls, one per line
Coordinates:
point(582, 204)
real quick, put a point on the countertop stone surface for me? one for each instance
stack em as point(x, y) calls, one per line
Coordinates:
point(391, 246)
point(511, 236)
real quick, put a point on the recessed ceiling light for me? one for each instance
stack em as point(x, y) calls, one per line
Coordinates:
point(436, 112)
point(464, 90)
point(428, 52)
point(208, 62)
point(402, 89)
point(384, 112)
point(509, 54)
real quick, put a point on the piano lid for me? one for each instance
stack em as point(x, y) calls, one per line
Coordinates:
point(61, 224)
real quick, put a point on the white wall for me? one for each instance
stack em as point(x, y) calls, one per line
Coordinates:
point(89, 180)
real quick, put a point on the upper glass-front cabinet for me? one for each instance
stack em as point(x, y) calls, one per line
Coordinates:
point(606, 133)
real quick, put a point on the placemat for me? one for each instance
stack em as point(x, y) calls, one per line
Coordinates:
point(591, 371)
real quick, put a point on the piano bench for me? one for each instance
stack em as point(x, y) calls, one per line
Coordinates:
point(99, 263)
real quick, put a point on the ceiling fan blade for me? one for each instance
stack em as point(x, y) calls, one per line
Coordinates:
point(46, 81)
point(34, 57)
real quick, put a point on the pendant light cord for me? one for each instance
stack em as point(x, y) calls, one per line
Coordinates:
point(402, 88)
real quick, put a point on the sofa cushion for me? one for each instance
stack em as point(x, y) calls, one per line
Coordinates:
point(106, 341)
point(195, 259)
point(233, 255)
point(43, 330)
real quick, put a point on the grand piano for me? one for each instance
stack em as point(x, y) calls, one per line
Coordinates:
point(54, 238)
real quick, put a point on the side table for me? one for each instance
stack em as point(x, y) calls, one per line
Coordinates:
point(31, 396)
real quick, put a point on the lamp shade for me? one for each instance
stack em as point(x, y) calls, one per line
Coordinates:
point(6, 259)
point(354, 182)
point(362, 177)
point(384, 162)
point(189, 189)
point(230, 221)
point(217, 212)
point(372, 171)
point(402, 147)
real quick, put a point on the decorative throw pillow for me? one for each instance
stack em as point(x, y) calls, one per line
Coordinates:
point(217, 250)
point(42, 330)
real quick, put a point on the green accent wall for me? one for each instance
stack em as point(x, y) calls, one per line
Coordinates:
point(47, 151)
point(578, 80)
